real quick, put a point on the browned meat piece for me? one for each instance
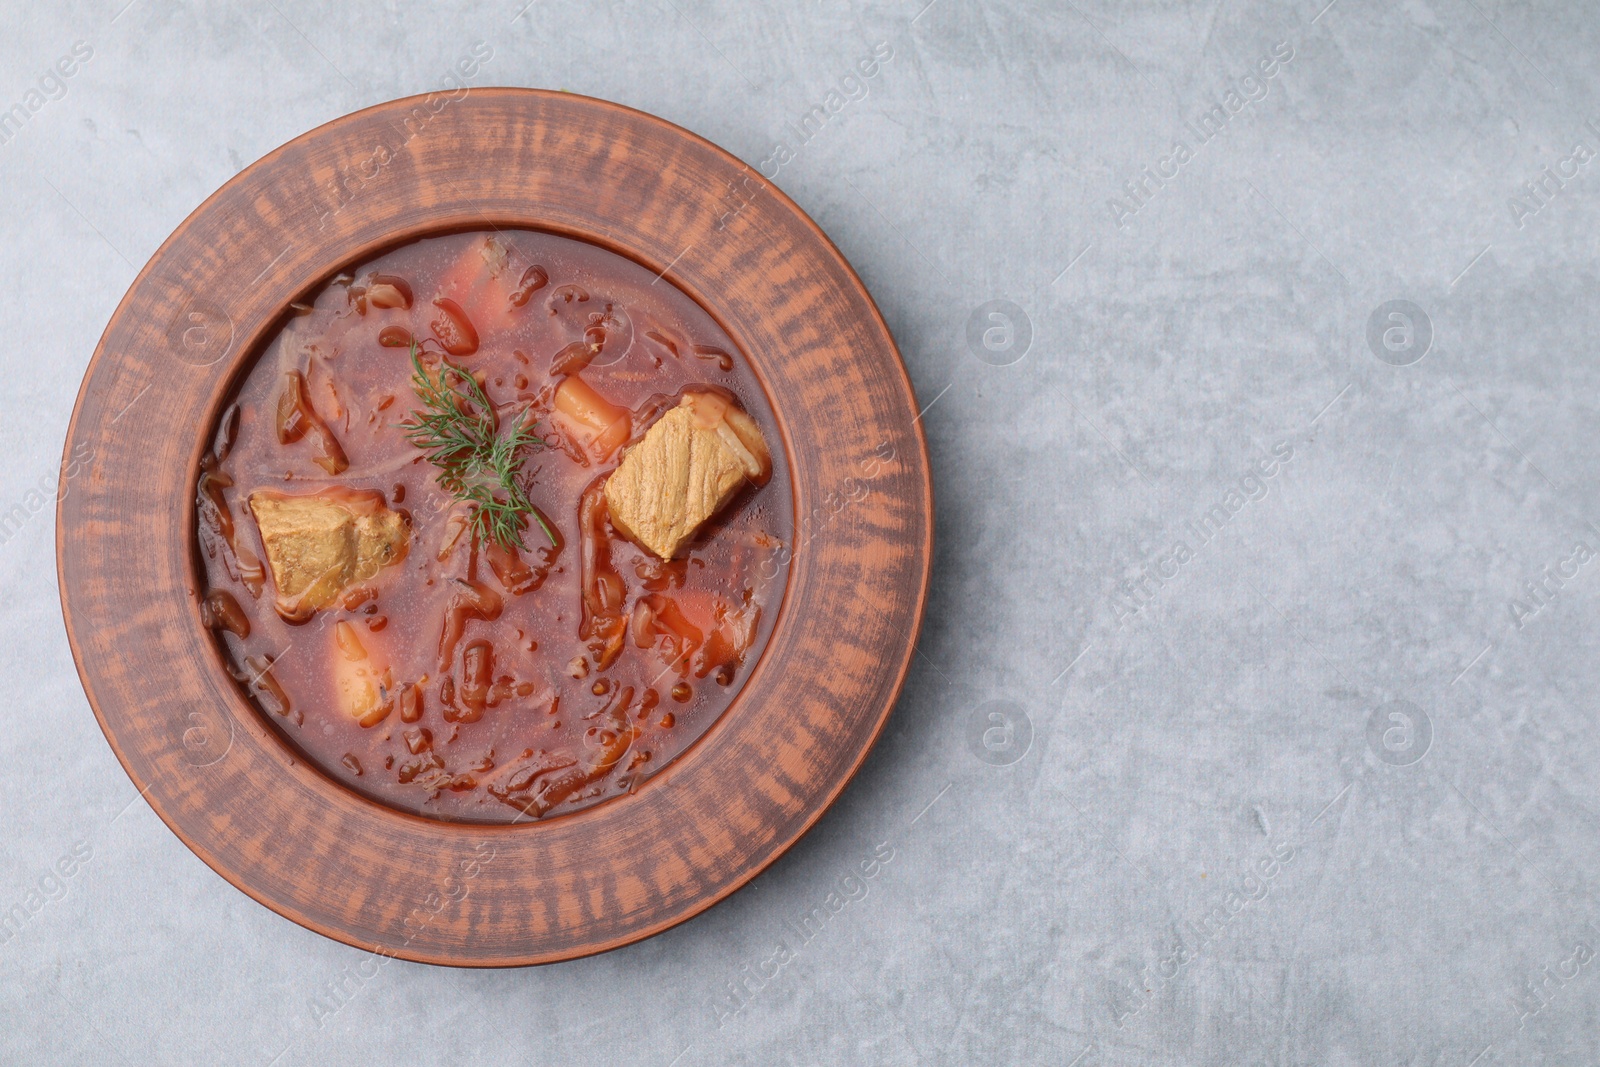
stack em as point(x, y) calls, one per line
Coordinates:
point(319, 544)
point(686, 469)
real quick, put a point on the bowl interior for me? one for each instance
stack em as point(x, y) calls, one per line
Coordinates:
point(253, 349)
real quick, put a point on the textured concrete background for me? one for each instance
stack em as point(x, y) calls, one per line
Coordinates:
point(1313, 781)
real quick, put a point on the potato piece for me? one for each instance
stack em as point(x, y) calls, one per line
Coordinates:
point(364, 687)
point(599, 425)
point(319, 544)
point(686, 469)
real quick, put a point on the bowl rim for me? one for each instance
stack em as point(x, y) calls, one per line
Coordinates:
point(236, 362)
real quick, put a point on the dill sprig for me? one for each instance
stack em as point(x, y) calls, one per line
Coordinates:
point(478, 465)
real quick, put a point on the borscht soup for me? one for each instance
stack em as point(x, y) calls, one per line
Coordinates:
point(494, 526)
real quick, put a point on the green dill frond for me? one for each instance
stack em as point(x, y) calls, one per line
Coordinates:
point(456, 427)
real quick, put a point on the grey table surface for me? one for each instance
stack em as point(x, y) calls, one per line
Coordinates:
point(1252, 721)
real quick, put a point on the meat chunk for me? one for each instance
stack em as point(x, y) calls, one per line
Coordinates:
point(686, 469)
point(320, 543)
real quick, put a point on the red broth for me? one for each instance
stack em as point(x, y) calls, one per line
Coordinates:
point(496, 699)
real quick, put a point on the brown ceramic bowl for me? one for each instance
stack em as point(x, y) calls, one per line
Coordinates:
point(230, 786)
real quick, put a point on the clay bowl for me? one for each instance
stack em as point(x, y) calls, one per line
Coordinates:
point(228, 784)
